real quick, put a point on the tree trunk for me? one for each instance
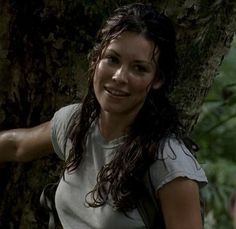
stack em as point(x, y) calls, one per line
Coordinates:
point(43, 48)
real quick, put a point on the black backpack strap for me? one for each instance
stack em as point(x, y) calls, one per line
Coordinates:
point(47, 201)
point(149, 207)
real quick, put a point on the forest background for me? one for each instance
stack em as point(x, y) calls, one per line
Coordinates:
point(216, 136)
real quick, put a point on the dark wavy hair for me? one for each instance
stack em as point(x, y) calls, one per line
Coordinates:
point(122, 176)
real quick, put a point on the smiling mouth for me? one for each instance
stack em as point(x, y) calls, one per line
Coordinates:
point(116, 92)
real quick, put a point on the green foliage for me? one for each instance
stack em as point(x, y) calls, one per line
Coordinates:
point(216, 135)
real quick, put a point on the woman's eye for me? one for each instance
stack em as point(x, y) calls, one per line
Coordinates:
point(112, 59)
point(140, 69)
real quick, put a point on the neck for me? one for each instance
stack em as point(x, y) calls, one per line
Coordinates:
point(113, 126)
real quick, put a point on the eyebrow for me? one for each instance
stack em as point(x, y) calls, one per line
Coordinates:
point(136, 61)
point(112, 50)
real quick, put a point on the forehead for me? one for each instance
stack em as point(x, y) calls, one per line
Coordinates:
point(134, 45)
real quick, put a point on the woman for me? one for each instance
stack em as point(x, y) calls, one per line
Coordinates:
point(124, 126)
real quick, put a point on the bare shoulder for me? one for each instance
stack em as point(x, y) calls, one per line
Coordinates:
point(180, 204)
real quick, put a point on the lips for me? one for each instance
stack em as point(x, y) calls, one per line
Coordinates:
point(116, 92)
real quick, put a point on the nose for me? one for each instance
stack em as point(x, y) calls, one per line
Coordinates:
point(121, 75)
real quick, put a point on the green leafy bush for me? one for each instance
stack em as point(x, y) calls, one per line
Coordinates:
point(216, 136)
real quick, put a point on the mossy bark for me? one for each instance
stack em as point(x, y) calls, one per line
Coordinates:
point(43, 48)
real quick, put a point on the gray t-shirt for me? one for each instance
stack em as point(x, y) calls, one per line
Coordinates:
point(71, 192)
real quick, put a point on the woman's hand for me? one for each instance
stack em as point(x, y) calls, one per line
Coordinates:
point(26, 144)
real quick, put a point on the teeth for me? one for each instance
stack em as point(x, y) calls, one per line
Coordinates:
point(117, 93)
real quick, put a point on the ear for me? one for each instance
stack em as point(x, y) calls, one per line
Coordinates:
point(157, 83)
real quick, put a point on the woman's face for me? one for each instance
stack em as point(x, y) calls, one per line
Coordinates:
point(125, 74)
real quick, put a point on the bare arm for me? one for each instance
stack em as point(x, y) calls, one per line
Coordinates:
point(25, 144)
point(180, 204)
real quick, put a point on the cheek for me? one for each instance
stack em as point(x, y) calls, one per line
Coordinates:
point(100, 78)
point(100, 72)
point(141, 86)
point(95, 81)
point(97, 74)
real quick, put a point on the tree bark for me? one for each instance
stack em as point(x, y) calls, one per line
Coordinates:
point(43, 48)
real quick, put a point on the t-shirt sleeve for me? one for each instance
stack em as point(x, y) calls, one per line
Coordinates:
point(59, 128)
point(176, 161)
